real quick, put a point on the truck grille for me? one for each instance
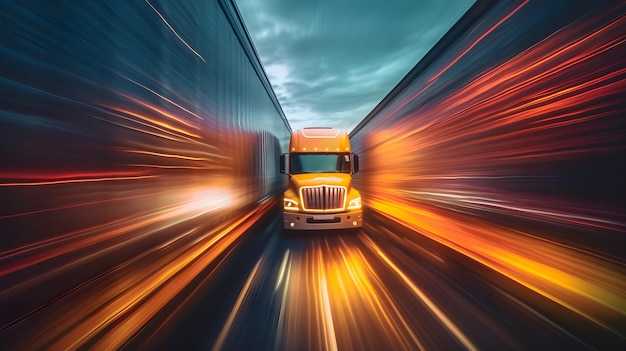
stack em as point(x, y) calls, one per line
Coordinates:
point(323, 198)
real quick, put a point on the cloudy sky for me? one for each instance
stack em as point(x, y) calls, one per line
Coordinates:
point(331, 62)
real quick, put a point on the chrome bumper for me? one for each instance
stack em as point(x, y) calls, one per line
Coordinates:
point(310, 221)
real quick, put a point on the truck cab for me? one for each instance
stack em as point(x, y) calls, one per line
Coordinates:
point(320, 195)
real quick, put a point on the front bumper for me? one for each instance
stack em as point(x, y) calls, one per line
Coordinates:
point(310, 221)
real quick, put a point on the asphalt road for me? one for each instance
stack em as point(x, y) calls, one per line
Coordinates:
point(382, 287)
point(246, 285)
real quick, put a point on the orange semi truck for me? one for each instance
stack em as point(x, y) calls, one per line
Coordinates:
point(320, 195)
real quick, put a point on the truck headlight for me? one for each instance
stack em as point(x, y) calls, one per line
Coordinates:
point(289, 204)
point(355, 204)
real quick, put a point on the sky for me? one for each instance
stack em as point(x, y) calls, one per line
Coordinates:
point(330, 62)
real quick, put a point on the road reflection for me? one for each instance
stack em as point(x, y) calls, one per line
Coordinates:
point(244, 284)
point(388, 287)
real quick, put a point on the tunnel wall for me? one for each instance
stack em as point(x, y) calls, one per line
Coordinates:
point(114, 110)
point(514, 119)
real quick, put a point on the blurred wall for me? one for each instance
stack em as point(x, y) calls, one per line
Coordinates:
point(514, 120)
point(113, 110)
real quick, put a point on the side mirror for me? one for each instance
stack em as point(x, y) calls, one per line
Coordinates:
point(282, 163)
point(355, 167)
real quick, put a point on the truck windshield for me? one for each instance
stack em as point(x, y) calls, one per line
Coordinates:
point(319, 163)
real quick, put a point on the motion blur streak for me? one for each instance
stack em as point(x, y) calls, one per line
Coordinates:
point(131, 164)
point(514, 157)
point(220, 341)
point(140, 147)
point(120, 310)
point(473, 44)
point(440, 315)
point(173, 31)
point(582, 282)
point(331, 289)
point(70, 178)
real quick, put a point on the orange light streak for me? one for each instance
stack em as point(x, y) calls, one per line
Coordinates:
point(110, 318)
point(330, 340)
point(164, 98)
point(331, 289)
point(588, 285)
point(160, 154)
point(168, 135)
point(84, 180)
point(491, 165)
point(157, 122)
point(426, 300)
point(162, 112)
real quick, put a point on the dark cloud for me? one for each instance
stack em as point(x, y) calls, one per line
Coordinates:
point(330, 62)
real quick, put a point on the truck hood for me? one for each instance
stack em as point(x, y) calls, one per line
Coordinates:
point(312, 179)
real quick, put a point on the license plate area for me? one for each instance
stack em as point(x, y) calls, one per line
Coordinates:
point(323, 219)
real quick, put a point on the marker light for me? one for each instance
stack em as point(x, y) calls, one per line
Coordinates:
point(355, 204)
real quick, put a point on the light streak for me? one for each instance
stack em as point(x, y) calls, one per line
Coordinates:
point(283, 303)
point(111, 226)
point(160, 154)
point(124, 183)
point(175, 33)
point(281, 271)
point(327, 320)
point(168, 135)
point(68, 181)
point(163, 126)
point(117, 231)
point(473, 44)
point(588, 285)
point(74, 205)
point(492, 164)
point(112, 316)
point(173, 166)
point(330, 289)
point(428, 302)
point(164, 98)
point(163, 112)
point(231, 317)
